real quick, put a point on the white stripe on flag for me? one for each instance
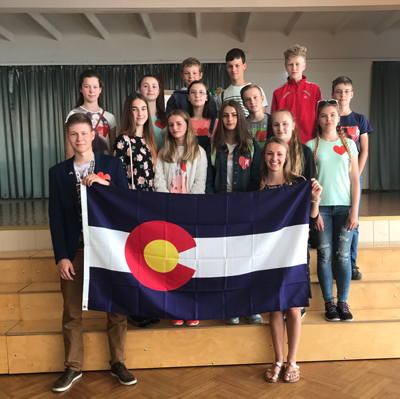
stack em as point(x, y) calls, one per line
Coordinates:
point(212, 257)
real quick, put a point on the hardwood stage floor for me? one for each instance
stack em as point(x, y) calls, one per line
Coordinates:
point(369, 379)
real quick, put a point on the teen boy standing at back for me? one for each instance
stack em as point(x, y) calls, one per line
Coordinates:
point(297, 95)
point(190, 71)
point(357, 128)
point(235, 66)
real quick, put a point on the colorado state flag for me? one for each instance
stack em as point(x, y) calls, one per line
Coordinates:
point(195, 257)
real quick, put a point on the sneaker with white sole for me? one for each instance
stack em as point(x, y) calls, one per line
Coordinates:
point(331, 313)
point(192, 323)
point(232, 320)
point(177, 322)
point(65, 381)
point(255, 319)
point(125, 377)
point(344, 312)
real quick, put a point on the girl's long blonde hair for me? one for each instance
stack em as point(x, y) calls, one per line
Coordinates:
point(288, 173)
point(339, 131)
point(295, 148)
point(191, 149)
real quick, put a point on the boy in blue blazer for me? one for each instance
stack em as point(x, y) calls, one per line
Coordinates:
point(85, 167)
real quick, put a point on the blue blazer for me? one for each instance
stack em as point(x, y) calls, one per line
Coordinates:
point(63, 201)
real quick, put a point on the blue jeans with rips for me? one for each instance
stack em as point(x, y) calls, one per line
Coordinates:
point(354, 240)
point(334, 240)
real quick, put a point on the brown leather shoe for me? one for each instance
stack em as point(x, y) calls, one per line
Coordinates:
point(66, 379)
point(125, 377)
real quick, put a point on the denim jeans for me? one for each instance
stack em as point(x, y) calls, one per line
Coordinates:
point(354, 240)
point(334, 240)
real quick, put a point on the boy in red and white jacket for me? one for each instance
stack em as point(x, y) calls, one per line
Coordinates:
point(297, 95)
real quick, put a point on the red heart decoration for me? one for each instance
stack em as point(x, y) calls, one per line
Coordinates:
point(261, 135)
point(244, 162)
point(183, 166)
point(339, 150)
point(351, 132)
point(103, 130)
point(202, 131)
point(160, 125)
point(104, 176)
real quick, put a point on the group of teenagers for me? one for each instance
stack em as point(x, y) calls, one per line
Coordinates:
point(202, 146)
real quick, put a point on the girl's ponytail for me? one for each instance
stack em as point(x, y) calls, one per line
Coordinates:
point(315, 154)
point(344, 142)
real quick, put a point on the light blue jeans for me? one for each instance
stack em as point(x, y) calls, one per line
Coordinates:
point(334, 240)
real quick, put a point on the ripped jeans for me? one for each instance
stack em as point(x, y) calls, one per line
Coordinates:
point(334, 240)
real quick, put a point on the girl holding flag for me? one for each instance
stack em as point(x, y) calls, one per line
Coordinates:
point(276, 172)
point(181, 165)
point(136, 147)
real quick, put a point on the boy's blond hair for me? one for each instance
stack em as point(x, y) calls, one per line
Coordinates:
point(191, 61)
point(295, 51)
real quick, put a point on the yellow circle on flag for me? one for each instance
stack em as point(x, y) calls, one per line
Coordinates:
point(161, 256)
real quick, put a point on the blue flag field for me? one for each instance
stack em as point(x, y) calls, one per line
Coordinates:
point(195, 257)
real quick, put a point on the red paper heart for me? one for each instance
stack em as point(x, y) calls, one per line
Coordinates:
point(261, 135)
point(244, 162)
point(183, 166)
point(160, 125)
point(104, 176)
point(202, 131)
point(339, 150)
point(103, 130)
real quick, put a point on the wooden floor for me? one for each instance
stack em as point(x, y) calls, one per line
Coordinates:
point(33, 212)
point(378, 379)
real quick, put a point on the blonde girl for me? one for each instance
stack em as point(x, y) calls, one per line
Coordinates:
point(89, 103)
point(285, 128)
point(276, 172)
point(181, 165)
point(336, 165)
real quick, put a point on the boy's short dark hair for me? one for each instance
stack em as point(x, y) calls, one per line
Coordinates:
point(235, 53)
point(77, 118)
point(191, 61)
point(342, 80)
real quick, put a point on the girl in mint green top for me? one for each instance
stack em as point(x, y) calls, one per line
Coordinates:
point(336, 165)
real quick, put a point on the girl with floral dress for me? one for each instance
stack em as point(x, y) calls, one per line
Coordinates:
point(136, 145)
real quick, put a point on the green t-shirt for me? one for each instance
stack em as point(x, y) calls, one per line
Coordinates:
point(333, 171)
point(258, 130)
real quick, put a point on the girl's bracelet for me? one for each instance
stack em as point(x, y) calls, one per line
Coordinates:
point(315, 202)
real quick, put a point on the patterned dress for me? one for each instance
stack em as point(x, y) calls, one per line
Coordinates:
point(142, 176)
